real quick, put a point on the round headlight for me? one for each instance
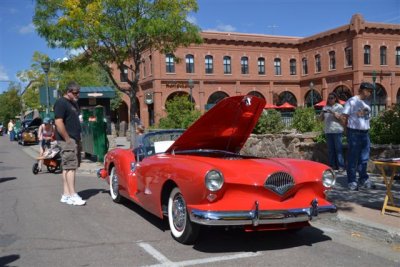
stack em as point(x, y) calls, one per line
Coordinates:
point(214, 180)
point(328, 178)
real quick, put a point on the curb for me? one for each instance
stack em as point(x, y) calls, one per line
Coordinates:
point(372, 230)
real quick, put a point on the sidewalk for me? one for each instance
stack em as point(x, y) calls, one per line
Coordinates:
point(359, 212)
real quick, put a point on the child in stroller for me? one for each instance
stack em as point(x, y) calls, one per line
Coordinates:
point(51, 159)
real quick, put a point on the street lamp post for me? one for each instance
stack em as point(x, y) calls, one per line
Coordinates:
point(312, 93)
point(191, 85)
point(374, 96)
point(46, 69)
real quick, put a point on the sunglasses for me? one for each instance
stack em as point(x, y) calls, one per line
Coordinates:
point(75, 92)
point(331, 97)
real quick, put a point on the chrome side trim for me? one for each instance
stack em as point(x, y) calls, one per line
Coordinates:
point(257, 217)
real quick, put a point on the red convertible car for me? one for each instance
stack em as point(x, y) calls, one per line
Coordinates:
point(198, 177)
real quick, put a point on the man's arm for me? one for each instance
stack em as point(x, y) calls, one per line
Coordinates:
point(61, 130)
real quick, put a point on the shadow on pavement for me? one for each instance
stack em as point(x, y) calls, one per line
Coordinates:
point(4, 261)
point(6, 179)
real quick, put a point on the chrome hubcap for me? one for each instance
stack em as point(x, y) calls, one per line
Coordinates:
point(114, 182)
point(179, 213)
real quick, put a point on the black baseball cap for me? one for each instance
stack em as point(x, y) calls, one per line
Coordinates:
point(366, 85)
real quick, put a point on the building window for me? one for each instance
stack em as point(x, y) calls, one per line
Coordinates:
point(227, 65)
point(209, 64)
point(349, 56)
point(367, 55)
point(124, 75)
point(144, 68)
point(383, 55)
point(277, 66)
point(244, 62)
point(189, 64)
point(318, 63)
point(151, 65)
point(169, 63)
point(292, 67)
point(305, 66)
point(398, 56)
point(332, 60)
point(261, 65)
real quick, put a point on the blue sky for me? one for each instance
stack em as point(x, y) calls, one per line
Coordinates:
point(18, 40)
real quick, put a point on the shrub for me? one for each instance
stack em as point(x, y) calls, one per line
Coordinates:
point(385, 128)
point(269, 122)
point(304, 120)
point(180, 114)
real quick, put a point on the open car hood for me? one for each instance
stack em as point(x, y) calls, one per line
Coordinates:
point(224, 127)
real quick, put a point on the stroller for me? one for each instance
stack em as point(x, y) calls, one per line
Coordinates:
point(51, 159)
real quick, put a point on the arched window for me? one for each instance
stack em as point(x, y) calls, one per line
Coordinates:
point(257, 94)
point(244, 63)
point(367, 55)
point(343, 92)
point(398, 56)
point(348, 51)
point(169, 63)
point(189, 64)
point(227, 65)
point(305, 66)
point(312, 97)
point(209, 64)
point(332, 60)
point(124, 75)
point(261, 65)
point(215, 98)
point(318, 63)
point(383, 55)
point(380, 98)
point(293, 66)
point(277, 66)
point(288, 97)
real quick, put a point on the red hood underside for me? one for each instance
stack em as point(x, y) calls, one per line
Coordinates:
point(224, 127)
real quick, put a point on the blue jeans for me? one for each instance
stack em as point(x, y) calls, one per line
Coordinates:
point(335, 150)
point(12, 135)
point(358, 155)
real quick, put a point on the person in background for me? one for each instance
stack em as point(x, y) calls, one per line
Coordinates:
point(357, 114)
point(333, 130)
point(68, 136)
point(10, 129)
point(45, 135)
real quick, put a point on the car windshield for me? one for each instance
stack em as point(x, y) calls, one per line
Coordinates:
point(158, 141)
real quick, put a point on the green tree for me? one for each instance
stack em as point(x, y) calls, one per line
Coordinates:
point(385, 127)
point(116, 33)
point(10, 103)
point(180, 114)
point(304, 120)
point(269, 122)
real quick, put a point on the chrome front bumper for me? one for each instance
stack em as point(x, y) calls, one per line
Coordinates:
point(257, 217)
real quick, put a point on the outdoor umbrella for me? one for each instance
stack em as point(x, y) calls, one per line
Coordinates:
point(270, 106)
point(323, 103)
point(287, 106)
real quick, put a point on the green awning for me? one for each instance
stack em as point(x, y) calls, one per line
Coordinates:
point(97, 92)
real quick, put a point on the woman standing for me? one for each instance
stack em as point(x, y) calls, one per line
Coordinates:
point(330, 114)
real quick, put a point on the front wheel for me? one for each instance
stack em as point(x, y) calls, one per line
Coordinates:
point(114, 186)
point(35, 168)
point(182, 229)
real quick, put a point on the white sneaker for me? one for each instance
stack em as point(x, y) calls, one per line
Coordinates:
point(64, 198)
point(76, 200)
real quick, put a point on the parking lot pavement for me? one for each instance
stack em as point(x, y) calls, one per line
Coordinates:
point(359, 212)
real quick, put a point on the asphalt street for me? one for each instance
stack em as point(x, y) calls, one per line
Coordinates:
point(37, 230)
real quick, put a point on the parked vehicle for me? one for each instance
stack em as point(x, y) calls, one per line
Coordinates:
point(198, 176)
point(28, 133)
point(1, 129)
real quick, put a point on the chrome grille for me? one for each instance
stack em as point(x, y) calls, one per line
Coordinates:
point(279, 182)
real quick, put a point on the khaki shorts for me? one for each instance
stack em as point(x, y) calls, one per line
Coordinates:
point(70, 154)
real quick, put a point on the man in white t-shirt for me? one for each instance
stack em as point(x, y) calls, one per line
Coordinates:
point(357, 112)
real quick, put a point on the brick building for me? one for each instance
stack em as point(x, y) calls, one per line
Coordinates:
point(297, 70)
